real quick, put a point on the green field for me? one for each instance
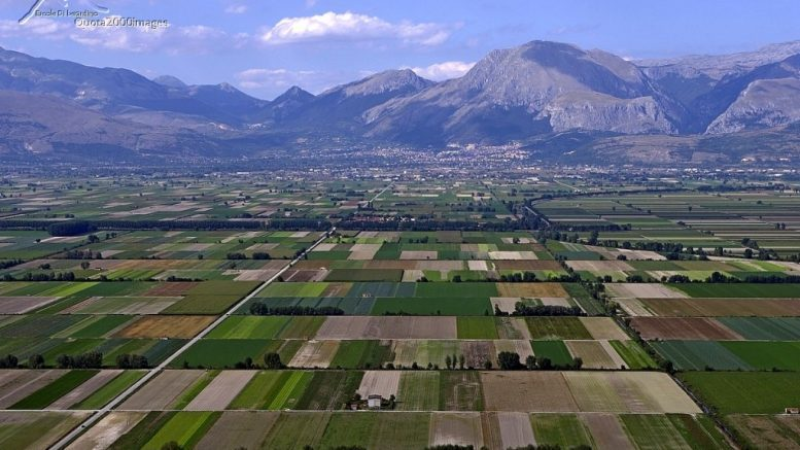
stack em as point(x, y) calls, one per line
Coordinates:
point(55, 390)
point(476, 328)
point(564, 430)
point(746, 392)
point(738, 290)
point(557, 328)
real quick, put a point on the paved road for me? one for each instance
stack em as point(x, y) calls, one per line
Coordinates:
point(97, 415)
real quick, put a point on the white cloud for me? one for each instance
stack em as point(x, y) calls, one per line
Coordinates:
point(172, 39)
point(236, 9)
point(273, 79)
point(444, 70)
point(269, 83)
point(39, 28)
point(350, 26)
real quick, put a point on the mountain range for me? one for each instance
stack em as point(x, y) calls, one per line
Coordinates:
point(556, 100)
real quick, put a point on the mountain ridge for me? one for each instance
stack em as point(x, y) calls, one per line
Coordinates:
point(532, 92)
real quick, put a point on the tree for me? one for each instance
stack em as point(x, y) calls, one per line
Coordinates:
point(35, 361)
point(447, 361)
point(577, 362)
point(462, 362)
point(530, 362)
point(273, 361)
point(487, 365)
point(545, 364)
point(85, 265)
point(171, 445)
point(509, 361)
point(9, 362)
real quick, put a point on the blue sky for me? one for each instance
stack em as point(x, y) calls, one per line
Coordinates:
point(265, 46)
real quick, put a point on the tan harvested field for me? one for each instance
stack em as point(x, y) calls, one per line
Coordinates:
point(607, 432)
point(526, 392)
point(477, 265)
point(324, 247)
point(48, 437)
point(531, 290)
point(505, 304)
point(768, 432)
point(107, 431)
point(556, 301)
point(600, 265)
point(456, 429)
point(636, 307)
point(18, 384)
point(515, 429)
point(305, 275)
point(512, 328)
point(363, 252)
point(172, 327)
point(221, 391)
point(379, 382)
point(315, 354)
point(520, 347)
point(344, 328)
point(628, 392)
point(253, 275)
point(162, 391)
point(391, 327)
point(631, 255)
point(412, 275)
point(239, 429)
point(419, 254)
point(642, 290)
point(615, 357)
point(85, 390)
point(492, 437)
point(720, 307)
point(513, 256)
point(22, 305)
point(604, 328)
point(405, 353)
point(683, 329)
point(593, 354)
point(439, 265)
point(477, 353)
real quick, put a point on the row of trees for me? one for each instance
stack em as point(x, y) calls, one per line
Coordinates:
point(261, 309)
point(88, 360)
point(511, 361)
point(521, 309)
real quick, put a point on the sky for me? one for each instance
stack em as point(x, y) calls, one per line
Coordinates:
point(263, 47)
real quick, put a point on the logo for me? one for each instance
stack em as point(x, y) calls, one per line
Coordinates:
point(38, 5)
point(90, 16)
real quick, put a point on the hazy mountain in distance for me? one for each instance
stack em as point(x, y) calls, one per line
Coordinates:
point(341, 107)
point(551, 97)
point(536, 88)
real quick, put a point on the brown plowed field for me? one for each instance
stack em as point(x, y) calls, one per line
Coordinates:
point(172, 327)
point(719, 307)
point(683, 329)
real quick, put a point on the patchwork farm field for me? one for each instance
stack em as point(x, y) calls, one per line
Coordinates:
point(502, 313)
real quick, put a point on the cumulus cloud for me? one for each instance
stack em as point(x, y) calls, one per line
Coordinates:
point(140, 38)
point(40, 28)
point(272, 79)
point(269, 83)
point(236, 9)
point(351, 26)
point(444, 70)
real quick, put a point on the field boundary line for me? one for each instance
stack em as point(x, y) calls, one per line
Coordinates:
point(100, 413)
